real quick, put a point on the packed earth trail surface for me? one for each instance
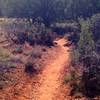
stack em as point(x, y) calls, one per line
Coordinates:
point(51, 77)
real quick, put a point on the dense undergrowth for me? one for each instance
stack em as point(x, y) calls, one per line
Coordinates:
point(85, 71)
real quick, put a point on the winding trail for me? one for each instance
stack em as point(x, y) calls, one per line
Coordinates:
point(51, 78)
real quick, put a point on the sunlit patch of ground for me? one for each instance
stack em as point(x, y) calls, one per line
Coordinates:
point(51, 77)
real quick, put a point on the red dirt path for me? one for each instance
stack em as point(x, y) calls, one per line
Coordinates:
point(51, 78)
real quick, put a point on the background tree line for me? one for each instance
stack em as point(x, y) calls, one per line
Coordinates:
point(49, 10)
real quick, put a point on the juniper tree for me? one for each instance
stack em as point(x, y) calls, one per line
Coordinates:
point(86, 43)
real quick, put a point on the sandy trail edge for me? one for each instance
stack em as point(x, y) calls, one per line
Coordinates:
point(50, 78)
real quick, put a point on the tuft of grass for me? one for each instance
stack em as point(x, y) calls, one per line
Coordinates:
point(5, 66)
point(4, 55)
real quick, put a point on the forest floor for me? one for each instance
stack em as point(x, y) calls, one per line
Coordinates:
point(48, 84)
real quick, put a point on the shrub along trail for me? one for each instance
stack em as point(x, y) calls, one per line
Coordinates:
point(52, 76)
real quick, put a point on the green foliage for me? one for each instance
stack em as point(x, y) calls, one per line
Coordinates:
point(87, 82)
point(86, 43)
point(75, 57)
point(4, 55)
point(49, 10)
point(5, 66)
point(74, 78)
point(91, 74)
point(95, 25)
point(5, 58)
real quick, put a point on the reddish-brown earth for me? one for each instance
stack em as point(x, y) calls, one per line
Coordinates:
point(47, 85)
point(51, 77)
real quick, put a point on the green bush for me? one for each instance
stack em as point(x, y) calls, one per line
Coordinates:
point(86, 43)
point(74, 78)
point(47, 39)
point(91, 75)
point(85, 55)
point(43, 38)
point(4, 55)
point(98, 46)
point(95, 25)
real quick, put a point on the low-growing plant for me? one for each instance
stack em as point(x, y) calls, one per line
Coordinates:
point(31, 68)
point(18, 50)
point(4, 55)
point(47, 40)
point(30, 39)
point(22, 37)
point(5, 67)
point(5, 76)
point(36, 54)
point(74, 78)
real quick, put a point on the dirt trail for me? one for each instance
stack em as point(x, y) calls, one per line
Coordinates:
point(48, 84)
point(51, 77)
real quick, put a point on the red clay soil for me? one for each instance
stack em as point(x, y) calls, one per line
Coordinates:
point(51, 78)
point(48, 84)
